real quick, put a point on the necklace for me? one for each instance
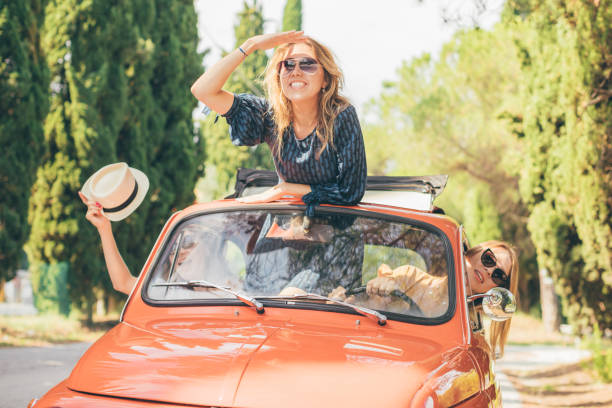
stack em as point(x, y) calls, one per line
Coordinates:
point(302, 132)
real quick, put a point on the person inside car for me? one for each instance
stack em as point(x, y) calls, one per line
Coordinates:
point(312, 130)
point(185, 265)
point(489, 264)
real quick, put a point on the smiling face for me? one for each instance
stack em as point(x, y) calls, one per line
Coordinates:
point(479, 275)
point(298, 86)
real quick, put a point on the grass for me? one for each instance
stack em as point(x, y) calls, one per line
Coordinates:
point(45, 330)
point(601, 348)
point(549, 388)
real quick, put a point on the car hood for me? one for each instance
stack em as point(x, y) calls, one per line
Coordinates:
point(255, 364)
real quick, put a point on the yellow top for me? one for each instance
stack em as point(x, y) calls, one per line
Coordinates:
point(429, 292)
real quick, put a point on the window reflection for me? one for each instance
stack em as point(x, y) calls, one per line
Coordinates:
point(265, 253)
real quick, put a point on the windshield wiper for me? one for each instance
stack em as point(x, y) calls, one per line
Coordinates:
point(205, 284)
point(380, 318)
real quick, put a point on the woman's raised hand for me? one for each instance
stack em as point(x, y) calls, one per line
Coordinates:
point(94, 213)
point(120, 275)
point(267, 41)
point(208, 88)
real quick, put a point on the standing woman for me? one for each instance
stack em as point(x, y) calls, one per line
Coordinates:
point(312, 130)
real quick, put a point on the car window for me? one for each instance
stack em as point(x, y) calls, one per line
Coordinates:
point(375, 255)
point(282, 253)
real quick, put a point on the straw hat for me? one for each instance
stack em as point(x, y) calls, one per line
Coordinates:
point(118, 188)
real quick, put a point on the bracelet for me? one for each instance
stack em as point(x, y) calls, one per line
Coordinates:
point(243, 51)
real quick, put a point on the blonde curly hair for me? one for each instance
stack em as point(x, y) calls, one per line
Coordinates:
point(498, 333)
point(331, 103)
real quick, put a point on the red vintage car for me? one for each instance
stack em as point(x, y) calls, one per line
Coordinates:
point(257, 305)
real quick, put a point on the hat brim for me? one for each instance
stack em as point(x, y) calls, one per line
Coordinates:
point(143, 186)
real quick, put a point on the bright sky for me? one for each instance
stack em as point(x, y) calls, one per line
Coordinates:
point(369, 38)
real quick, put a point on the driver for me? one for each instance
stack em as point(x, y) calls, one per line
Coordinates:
point(429, 292)
point(488, 265)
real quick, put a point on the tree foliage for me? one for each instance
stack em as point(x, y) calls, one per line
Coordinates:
point(119, 77)
point(223, 158)
point(566, 179)
point(292, 15)
point(449, 115)
point(24, 84)
point(157, 133)
point(521, 118)
point(88, 96)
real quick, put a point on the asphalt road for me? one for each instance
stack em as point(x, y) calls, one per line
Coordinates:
point(29, 372)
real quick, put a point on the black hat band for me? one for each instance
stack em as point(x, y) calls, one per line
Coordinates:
point(126, 203)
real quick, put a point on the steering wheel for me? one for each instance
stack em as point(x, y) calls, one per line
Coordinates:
point(396, 293)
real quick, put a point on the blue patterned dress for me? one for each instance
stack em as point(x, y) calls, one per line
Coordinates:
point(337, 177)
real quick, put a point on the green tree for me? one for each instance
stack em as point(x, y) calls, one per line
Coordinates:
point(222, 156)
point(449, 115)
point(566, 177)
point(120, 74)
point(24, 84)
point(82, 42)
point(157, 133)
point(292, 15)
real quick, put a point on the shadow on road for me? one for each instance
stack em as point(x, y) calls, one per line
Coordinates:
point(551, 376)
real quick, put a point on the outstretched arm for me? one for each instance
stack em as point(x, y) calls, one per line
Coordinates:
point(277, 192)
point(208, 87)
point(120, 275)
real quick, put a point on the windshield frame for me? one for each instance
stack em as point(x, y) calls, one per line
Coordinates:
point(308, 304)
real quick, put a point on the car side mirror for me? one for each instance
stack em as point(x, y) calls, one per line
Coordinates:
point(499, 304)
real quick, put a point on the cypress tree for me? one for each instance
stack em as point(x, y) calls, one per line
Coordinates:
point(83, 43)
point(222, 155)
point(120, 78)
point(157, 134)
point(566, 51)
point(24, 84)
point(292, 15)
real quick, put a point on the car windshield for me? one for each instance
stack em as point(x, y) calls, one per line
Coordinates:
point(398, 268)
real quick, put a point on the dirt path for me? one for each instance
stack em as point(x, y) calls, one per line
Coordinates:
point(551, 376)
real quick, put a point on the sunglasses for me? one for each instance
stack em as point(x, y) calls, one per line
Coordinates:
point(306, 65)
point(498, 276)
